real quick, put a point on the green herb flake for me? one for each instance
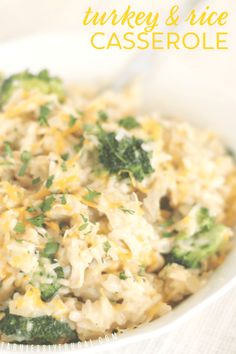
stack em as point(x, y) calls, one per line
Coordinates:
point(72, 121)
point(167, 223)
point(122, 275)
point(63, 166)
point(79, 112)
point(49, 181)
point(106, 246)
point(37, 220)
point(50, 249)
point(85, 219)
point(19, 228)
point(25, 159)
point(91, 129)
point(63, 199)
point(128, 123)
point(167, 234)
point(102, 116)
point(141, 271)
point(7, 149)
point(91, 195)
point(47, 204)
point(31, 209)
point(83, 227)
point(85, 224)
point(78, 147)
point(65, 156)
point(127, 211)
point(44, 113)
point(35, 181)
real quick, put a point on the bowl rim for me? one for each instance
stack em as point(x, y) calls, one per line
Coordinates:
point(220, 282)
point(178, 316)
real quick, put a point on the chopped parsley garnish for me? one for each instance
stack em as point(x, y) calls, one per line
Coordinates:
point(80, 113)
point(49, 181)
point(25, 159)
point(122, 275)
point(47, 204)
point(65, 156)
point(141, 271)
point(63, 166)
point(127, 211)
point(129, 123)
point(91, 128)
point(85, 218)
point(167, 234)
point(79, 146)
point(50, 249)
point(44, 113)
point(91, 195)
point(83, 227)
point(167, 223)
point(31, 209)
point(19, 228)
point(37, 220)
point(72, 121)
point(63, 199)
point(36, 180)
point(7, 149)
point(106, 246)
point(103, 116)
point(85, 224)
point(124, 156)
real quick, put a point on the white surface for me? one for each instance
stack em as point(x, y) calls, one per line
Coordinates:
point(212, 330)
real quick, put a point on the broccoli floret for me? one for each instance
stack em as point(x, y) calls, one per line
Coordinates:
point(129, 123)
point(190, 250)
point(124, 156)
point(26, 80)
point(48, 291)
point(36, 330)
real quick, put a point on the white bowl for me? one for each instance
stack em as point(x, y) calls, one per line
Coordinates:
point(69, 55)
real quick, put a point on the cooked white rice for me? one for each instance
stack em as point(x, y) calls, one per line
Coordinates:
point(110, 244)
